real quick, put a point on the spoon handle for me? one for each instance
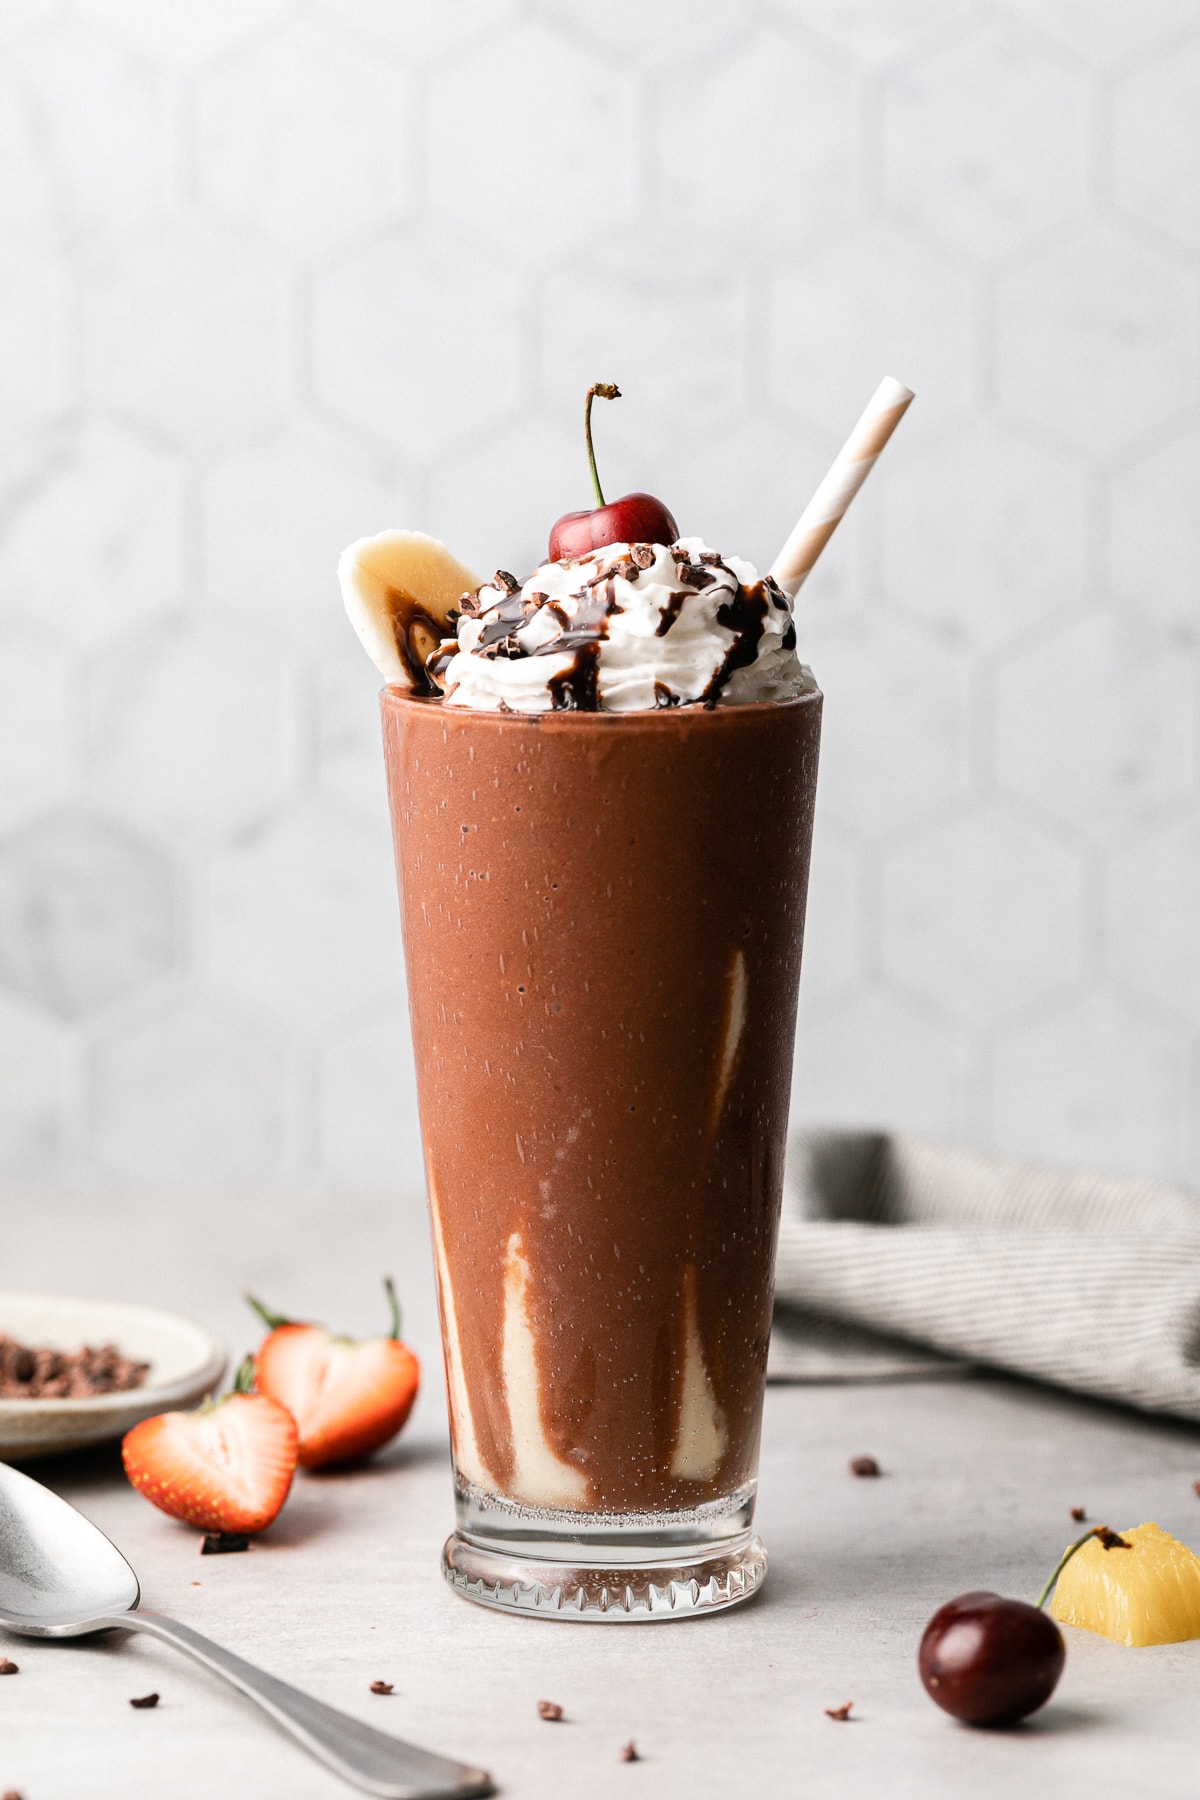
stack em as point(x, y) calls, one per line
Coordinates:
point(372, 1760)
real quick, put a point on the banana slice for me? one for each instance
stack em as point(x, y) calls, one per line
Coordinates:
point(401, 591)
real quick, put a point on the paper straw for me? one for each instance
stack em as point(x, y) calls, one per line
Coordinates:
point(853, 463)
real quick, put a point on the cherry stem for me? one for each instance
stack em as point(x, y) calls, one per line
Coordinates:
point(607, 391)
point(1097, 1531)
point(389, 1288)
point(244, 1379)
point(271, 1320)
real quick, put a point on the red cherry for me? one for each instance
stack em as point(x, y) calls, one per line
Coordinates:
point(990, 1661)
point(634, 519)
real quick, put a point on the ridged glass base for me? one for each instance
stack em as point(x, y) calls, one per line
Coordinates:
point(682, 1586)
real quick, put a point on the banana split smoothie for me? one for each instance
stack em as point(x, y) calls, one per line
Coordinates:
point(602, 782)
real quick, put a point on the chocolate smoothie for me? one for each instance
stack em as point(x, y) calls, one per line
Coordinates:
point(603, 916)
point(602, 783)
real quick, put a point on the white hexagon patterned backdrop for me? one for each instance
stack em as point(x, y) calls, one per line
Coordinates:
point(277, 273)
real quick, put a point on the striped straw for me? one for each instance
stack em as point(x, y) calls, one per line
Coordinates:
point(853, 463)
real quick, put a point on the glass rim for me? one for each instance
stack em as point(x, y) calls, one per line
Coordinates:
point(656, 718)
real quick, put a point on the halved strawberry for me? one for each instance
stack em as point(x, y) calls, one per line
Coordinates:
point(227, 1466)
point(347, 1398)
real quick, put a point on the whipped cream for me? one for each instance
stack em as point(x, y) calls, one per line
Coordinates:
point(627, 628)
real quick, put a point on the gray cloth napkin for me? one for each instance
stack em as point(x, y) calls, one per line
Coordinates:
point(899, 1257)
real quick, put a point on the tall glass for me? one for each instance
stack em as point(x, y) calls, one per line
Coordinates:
point(603, 916)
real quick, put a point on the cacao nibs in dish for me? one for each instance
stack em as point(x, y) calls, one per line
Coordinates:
point(27, 1373)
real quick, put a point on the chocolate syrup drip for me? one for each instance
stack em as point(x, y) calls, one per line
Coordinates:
point(577, 689)
point(596, 607)
point(438, 663)
point(745, 614)
point(416, 636)
point(671, 611)
point(499, 634)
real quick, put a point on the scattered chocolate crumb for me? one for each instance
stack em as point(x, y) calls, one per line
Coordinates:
point(840, 1713)
point(502, 579)
point(12, 1794)
point(1079, 1514)
point(549, 1709)
point(629, 1752)
point(864, 1465)
point(643, 555)
point(1112, 1540)
point(224, 1543)
point(145, 1702)
point(381, 1687)
point(9, 1668)
point(29, 1374)
point(1196, 1487)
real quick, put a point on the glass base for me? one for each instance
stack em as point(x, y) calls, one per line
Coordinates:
point(680, 1585)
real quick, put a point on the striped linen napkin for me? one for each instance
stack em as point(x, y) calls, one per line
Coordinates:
point(899, 1257)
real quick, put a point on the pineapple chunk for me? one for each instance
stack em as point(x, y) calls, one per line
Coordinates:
point(1148, 1594)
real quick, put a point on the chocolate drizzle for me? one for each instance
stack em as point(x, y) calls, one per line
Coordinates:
point(417, 635)
point(585, 616)
point(745, 614)
point(498, 636)
point(671, 611)
point(577, 689)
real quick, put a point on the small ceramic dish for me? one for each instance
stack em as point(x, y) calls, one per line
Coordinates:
point(185, 1364)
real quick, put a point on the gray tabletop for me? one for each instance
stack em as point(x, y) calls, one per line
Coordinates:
point(979, 1478)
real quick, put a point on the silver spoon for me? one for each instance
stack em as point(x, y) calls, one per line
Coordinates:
point(60, 1577)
